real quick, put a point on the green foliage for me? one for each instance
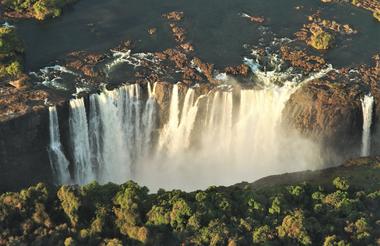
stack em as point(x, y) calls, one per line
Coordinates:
point(39, 9)
point(360, 230)
point(376, 15)
point(11, 52)
point(333, 241)
point(70, 202)
point(130, 210)
point(276, 206)
point(263, 234)
point(321, 40)
point(158, 215)
point(294, 226)
point(341, 183)
point(300, 214)
point(180, 214)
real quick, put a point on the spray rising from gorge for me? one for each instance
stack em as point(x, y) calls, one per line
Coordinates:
point(205, 136)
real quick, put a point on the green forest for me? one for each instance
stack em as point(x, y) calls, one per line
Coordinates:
point(326, 209)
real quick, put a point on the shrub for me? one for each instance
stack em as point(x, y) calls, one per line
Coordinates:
point(341, 183)
point(70, 202)
point(294, 227)
point(262, 234)
point(376, 15)
point(321, 40)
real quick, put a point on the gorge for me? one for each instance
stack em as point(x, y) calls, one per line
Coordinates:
point(218, 122)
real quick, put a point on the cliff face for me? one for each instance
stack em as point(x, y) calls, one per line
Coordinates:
point(23, 150)
point(329, 112)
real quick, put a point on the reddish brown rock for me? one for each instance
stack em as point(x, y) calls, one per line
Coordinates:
point(179, 58)
point(174, 16)
point(84, 62)
point(257, 19)
point(242, 70)
point(206, 68)
point(178, 33)
point(187, 47)
point(300, 59)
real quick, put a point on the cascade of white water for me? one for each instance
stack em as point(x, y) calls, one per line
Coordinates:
point(367, 106)
point(83, 169)
point(168, 131)
point(95, 132)
point(123, 135)
point(181, 130)
point(115, 135)
point(239, 132)
point(58, 161)
point(149, 120)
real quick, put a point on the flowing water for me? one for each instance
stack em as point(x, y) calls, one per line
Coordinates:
point(58, 161)
point(215, 27)
point(80, 146)
point(367, 106)
point(224, 137)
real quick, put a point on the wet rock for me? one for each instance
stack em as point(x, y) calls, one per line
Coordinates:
point(187, 47)
point(152, 31)
point(84, 62)
point(371, 5)
point(329, 111)
point(257, 19)
point(242, 70)
point(180, 59)
point(163, 91)
point(253, 18)
point(300, 59)
point(178, 33)
point(174, 16)
point(206, 69)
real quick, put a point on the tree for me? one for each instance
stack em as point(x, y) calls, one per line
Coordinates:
point(294, 226)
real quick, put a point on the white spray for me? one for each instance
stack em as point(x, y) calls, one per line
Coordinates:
point(367, 106)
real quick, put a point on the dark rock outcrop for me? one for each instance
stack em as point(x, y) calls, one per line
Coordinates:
point(23, 151)
point(328, 111)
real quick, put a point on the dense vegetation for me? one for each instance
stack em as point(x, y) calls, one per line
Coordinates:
point(39, 9)
point(11, 53)
point(338, 212)
point(321, 40)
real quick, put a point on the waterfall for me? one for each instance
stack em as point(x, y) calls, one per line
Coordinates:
point(149, 121)
point(240, 138)
point(95, 133)
point(83, 170)
point(223, 137)
point(169, 130)
point(367, 106)
point(58, 161)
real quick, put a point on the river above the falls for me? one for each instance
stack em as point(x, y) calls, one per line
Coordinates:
point(215, 28)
